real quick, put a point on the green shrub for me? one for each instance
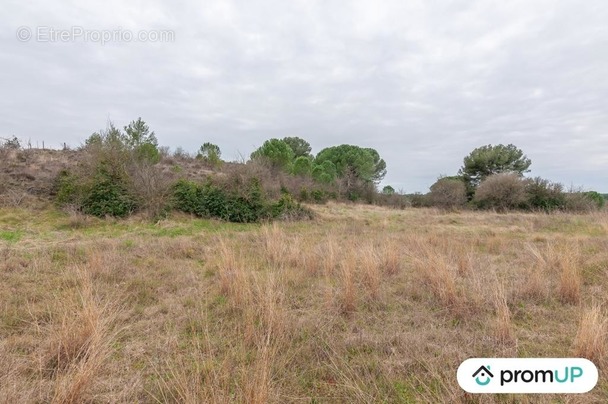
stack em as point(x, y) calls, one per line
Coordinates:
point(186, 196)
point(211, 201)
point(319, 196)
point(107, 196)
point(67, 190)
point(545, 195)
point(248, 207)
point(595, 197)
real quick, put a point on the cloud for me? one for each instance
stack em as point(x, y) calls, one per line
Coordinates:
point(422, 83)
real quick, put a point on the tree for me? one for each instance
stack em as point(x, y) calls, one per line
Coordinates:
point(299, 146)
point(388, 190)
point(489, 160)
point(277, 152)
point(302, 166)
point(143, 142)
point(363, 164)
point(210, 153)
point(324, 172)
point(138, 132)
point(379, 166)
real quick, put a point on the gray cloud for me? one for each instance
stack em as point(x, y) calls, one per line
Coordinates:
point(422, 83)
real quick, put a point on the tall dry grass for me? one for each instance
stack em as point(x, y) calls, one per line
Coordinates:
point(503, 327)
point(347, 285)
point(361, 305)
point(79, 342)
point(436, 272)
point(556, 258)
point(570, 278)
point(274, 244)
point(370, 266)
point(592, 336)
point(232, 274)
point(390, 256)
point(330, 254)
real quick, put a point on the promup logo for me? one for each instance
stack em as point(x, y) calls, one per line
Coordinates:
point(484, 373)
point(527, 375)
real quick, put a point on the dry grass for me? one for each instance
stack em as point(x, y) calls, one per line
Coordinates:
point(275, 245)
point(79, 343)
point(328, 259)
point(570, 280)
point(232, 273)
point(503, 327)
point(363, 304)
point(591, 339)
point(369, 263)
point(347, 287)
point(534, 285)
point(390, 257)
point(437, 273)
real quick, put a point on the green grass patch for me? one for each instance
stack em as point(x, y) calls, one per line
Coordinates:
point(10, 236)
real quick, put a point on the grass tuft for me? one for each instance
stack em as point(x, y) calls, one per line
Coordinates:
point(590, 341)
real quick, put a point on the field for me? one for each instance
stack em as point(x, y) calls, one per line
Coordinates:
point(361, 304)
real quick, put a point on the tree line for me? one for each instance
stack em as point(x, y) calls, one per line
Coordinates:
point(492, 177)
point(119, 173)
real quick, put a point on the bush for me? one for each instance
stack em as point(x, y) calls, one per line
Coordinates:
point(213, 201)
point(418, 200)
point(303, 195)
point(448, 193)
point(286, 208)
point(501, 192)
point(580, 202)
point(151, 187)
point(248, 206)
point(393, 200)
point(544, 194)
point(67, 191)
point(319, 196)
point(187, 196)
point(595, 197)
point(117, 174)
point(107, 196)
point(12, 144)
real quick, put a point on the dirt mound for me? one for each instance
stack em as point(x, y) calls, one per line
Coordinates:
point(30, 174)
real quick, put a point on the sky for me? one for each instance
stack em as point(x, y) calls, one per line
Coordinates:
point(423, 82)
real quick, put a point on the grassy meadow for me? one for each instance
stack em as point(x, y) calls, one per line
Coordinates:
point(361, 304)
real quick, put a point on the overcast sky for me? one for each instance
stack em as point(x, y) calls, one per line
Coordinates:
point(422, 83)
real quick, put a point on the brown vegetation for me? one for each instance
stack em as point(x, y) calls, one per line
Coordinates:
point(363, 304)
